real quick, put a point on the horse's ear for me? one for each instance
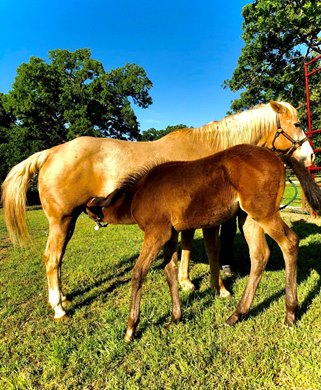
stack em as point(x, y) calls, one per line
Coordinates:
point(278, 107)
point(301, 105)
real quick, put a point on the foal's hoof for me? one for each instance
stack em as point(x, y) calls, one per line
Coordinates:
point(169, 324)
point(235, 318)
point(289, 322)
point(186, 285)
point(173, 321)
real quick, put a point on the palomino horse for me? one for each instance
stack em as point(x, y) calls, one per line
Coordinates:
point(176, 196)
point(71, 173)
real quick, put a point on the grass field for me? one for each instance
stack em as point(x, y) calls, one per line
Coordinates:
point(88, 352)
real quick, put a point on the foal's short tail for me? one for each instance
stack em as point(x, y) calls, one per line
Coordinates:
point(309, 186)
point(14, 194)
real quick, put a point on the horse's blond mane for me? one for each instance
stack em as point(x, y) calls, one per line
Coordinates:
point(244, 127)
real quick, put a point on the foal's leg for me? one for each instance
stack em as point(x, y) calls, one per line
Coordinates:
point(183, 274)
point(211, 242)
point(60, 232)
point(288, 242)
point(153, 242)
point(170, 260)
point(259, 254)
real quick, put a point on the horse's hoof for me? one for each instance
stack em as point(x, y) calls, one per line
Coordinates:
point(168, 325)
point(225, 294)
point(128, 339)
point(129, 336)
point(66, 302)
point(187, 285)
point(63, 318)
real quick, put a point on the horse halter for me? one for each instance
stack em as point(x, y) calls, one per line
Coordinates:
point(295, 144)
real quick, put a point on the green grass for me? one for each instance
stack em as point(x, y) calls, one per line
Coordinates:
point(88, 352)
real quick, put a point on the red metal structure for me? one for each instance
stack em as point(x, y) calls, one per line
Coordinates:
point(311, 132)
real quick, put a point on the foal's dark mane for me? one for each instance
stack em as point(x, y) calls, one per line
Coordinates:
point(132, 179)
point(126, 184)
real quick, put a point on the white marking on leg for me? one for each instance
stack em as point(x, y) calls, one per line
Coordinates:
point(224, 293)
point(59, 312)
point(55, 303)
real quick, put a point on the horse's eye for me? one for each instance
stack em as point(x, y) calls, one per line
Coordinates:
point(297, 124)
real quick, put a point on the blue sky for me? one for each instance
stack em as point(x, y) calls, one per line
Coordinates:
point(187, 49)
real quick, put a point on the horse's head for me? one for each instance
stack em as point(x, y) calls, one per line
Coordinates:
point(288, 137)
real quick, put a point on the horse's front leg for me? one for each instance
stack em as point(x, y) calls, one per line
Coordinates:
point(211, 241)
point(153, 242)
point(259, 255)
point(183, 273)
point(60, 231)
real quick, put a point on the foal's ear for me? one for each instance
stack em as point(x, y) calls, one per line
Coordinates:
point(108, 201)
point(278, 107)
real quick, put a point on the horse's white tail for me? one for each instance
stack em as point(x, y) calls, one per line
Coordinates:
point(14, 194)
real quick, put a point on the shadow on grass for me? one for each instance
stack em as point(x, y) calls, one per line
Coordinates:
point(206, 298)
point(309, 260)
point(103, 286)
point(106, 285)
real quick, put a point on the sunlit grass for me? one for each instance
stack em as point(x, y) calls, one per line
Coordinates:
point(88, 352)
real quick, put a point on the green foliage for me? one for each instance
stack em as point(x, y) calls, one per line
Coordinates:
point(88, 351)
point(152, 134)
point(279, 37)
point(69, 96)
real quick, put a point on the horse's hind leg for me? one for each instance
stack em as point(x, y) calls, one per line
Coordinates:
point(60, 232)
point(183, 273)
point(259, 254)
point(170, 260)
point(211, 242)
point(153, 242)
point(288, 242)
point(227, 235)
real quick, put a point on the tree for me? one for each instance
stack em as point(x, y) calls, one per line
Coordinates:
point(152, 134)
point(72, 95)
point(279, 37)
point(7, 146)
